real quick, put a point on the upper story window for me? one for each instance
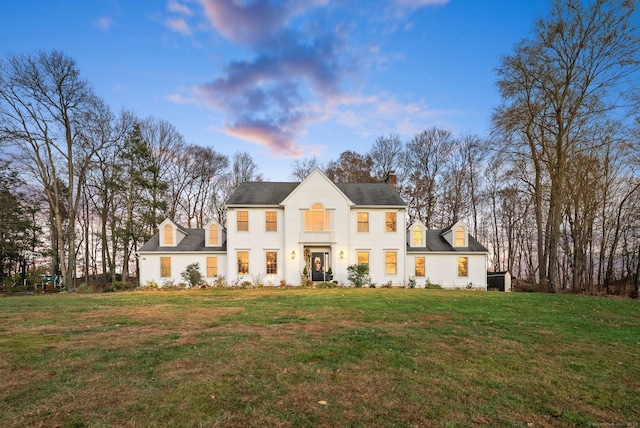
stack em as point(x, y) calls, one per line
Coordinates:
point(317, 219)
point(168, 234)
point(271, 221)
point(390, 222)
point(460, 236)
point(243, 221)
point(363, 222)
point(214, 233)
point(417, 236)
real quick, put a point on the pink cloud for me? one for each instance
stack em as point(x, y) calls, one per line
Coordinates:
point(178, 25)
point(177, 7)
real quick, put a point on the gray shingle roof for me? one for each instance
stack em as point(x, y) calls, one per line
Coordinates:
point(194, 241)
point(371, 194)
point(273, 193)
point(261, 193)
point(436, 243)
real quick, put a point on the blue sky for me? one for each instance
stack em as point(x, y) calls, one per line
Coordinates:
point(284, 79)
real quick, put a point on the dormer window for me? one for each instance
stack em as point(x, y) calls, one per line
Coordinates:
point(417, 236)
point(168, 234)
point(460, 237)
point(214, 233)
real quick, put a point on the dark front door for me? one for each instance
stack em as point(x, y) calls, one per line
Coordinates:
point(317, 266)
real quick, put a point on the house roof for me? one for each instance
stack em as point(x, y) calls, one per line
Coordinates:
point(435, 242)
point(273, 193)
point(193, 241)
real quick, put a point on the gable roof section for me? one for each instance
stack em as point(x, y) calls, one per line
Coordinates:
point(194, 241)
point(435, 242)
point(260, 193)
point(371, 194)
point(266, 193)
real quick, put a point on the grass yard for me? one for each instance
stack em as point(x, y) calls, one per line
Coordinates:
point(330, 357)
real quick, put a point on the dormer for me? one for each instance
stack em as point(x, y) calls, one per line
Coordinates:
point(457, 235)
point(417, 234)
point(214, 234)
point(170, 234)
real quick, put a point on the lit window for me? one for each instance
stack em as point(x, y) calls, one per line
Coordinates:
point(317, 219)
point(390, 222)
point(391, 265)
point(463, 266)
point(272, 262)
point(419, 266)
point(168, 234)
point(165, 267)
point(213, 235)
point(243, 262)
point(243, 221)
point(363, 222)
point(460, 236)
point(363, 257)
point(271, 221)
point(212, 267)
point(417, 236)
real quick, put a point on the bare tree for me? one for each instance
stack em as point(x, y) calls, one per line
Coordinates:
point(47, 112)
point(554, 88)
point(300, 168)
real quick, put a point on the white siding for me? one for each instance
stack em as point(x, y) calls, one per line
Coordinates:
point(150, 266)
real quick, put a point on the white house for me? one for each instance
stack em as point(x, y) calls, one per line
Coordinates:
point(276, 229)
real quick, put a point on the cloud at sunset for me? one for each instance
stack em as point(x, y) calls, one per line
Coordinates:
point(298, 67)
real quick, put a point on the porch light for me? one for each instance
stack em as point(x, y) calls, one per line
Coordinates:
point(293, 255)
point(342, 254)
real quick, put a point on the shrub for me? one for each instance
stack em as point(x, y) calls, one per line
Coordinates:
point(116, 286)
point(412, 282)
point(192, 274)
point(358, 274)
point(327, 284)
point(431, 286)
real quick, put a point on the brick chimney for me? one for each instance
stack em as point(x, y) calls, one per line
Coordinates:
point(391, 179)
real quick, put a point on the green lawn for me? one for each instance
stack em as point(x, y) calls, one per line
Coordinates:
point(329, 357)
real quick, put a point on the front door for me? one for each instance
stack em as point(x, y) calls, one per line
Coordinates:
point(317, 266)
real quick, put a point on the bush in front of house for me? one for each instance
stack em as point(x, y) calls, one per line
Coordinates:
point(358, 274)
point(192, 275)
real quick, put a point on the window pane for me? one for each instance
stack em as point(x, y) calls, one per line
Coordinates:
point(459, 236)
point(463, 266)
point(243, 262)
point(212, 267)
point(363, 257)
point(417, 236)
point(419, 266)
point(390, 222)
point(271, 221)
point(272, 263)
point(317, 219)
point(390, 263)
point(165, 267)
point(213, 234)
point(168, 235)
point(243, 221)
point(363, 222)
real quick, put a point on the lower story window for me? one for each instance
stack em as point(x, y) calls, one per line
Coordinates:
point(363, 257)
point(212, 267)
point(391, 263)
point(165, 267)
point(463, 266)
point(243, 262)
point(419, 266)
point(272, 262)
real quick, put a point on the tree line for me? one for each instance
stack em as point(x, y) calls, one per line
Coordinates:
point(553, 191)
